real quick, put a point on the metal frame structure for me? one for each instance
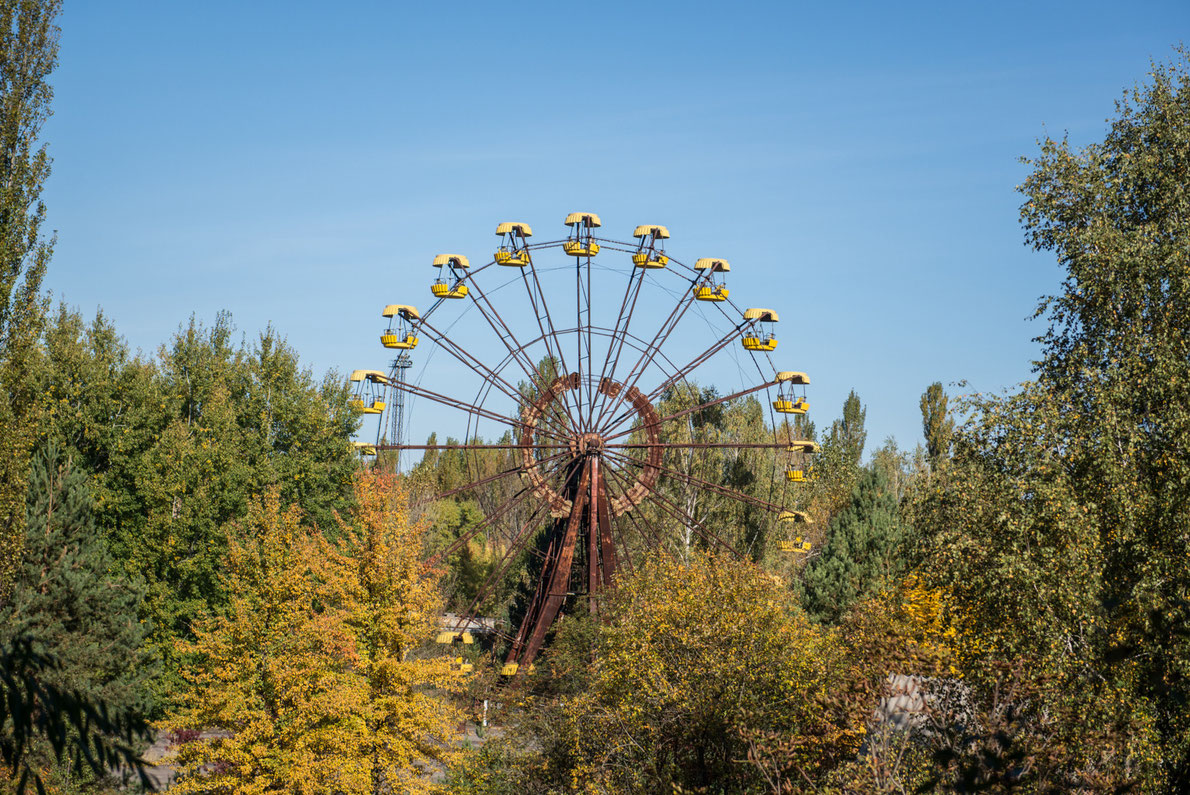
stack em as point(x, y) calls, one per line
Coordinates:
point(588, 443)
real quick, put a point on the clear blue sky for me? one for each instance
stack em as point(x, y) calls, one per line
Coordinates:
point(300, 163)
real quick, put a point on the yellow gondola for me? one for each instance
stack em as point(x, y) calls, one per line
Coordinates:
point(705, 292)
point(649, 259)
point(458, 667)
point(651, 253)
point(363, 448)
point(797, 545)
point(580, 243)
point(441, 289)
point(366, 397)
point(710, 290)
point(766, 343)
point(401, 337)
point(453, 287)
point(451, 636)
point(793, 516)
point(799, 472)
point(514, 249)
point(408, 342)
point(787, 402)
point(761, 339)
point(510, 669)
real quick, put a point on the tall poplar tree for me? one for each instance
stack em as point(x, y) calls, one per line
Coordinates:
point(28, 53)
point(936, 422)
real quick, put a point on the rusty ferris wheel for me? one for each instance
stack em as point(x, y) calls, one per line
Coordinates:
point(584, 434)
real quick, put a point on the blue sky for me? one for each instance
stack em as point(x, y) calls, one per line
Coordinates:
point(301, 163)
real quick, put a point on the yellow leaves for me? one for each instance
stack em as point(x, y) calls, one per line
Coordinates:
point(308, 670)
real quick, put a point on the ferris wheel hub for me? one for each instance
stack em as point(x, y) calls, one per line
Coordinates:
point(587, 444)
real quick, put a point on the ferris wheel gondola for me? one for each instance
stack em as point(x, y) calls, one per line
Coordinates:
point(399, 334)
point(450, 283)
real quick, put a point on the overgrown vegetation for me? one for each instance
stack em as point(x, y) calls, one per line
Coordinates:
point(188, 538)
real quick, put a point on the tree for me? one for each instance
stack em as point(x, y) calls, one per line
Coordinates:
point(69, 598)
point(28, 53)
point(394, 607)
point(310, 672)
point(696, 658)
point(71, 607)
point(936, 423)
point(177, 446)
point(848, 431)
point(866, 549)
point(837, 466)
point(1062, 527)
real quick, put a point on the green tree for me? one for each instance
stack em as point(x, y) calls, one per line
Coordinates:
point(1066, 517)
point(849, 429)
point(936, 423)
point(177, 445)
point(866, 549)
point(28, 53)
point(68, 600)
point(69, 597)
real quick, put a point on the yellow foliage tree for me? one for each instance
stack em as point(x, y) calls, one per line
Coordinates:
point(394, 607)
point(698, 659)
point(309, 674)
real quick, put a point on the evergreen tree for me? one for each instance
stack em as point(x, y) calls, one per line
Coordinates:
point(866, 547)
point(936, 423)
point(28, 53)
point(71, 608)
point(68, 598)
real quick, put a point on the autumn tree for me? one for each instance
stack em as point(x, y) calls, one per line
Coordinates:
point(394, 608)
point(695, 656)
point(311, 672)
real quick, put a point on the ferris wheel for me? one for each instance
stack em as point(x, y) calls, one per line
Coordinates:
point(574, 349)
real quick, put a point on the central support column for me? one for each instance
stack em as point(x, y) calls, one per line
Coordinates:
point(556, 578)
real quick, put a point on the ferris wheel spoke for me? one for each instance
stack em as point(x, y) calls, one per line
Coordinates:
point(549, 332)
point(716, 488)
point(474, 362)
point(649, 353)
point(501, 568)
point(681, 373)
point(502, 510)
point(488, 520)
point(420, 391)
point(636, 278)
point(676, 512)
point(647, 534)
point(690, 522)
point(483, 481)
point(700, 407)
point(515, 349)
